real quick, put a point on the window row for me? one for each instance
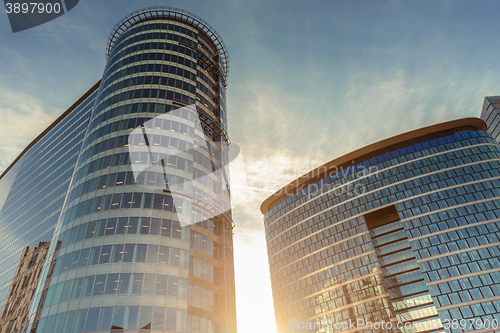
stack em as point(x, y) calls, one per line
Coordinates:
point(467, 289)
point(139, 108)
point(329, 233)
point(370, 312)
point(121, 226)
point(141, 33)
point(155, 140)
point(152, 56)
point(457, 240)
point(487, 189)
point(466, 193)
point(147, 178)
point(140, 46)
point(462, 269)
point(332, 254)
point(294, 289)
point(417, 186)
point(122, 201)
point(455, 217)
point(135, 84)
point(104, 162)
point(169, 82)
point(399, 191)
point(486, 315)
point(112, 284)
point(117, 253)
point(342, 296)
point(117, 317)
point(153, 93)
point(400, 156)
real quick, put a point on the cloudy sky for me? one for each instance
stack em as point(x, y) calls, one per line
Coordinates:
point(309, 81)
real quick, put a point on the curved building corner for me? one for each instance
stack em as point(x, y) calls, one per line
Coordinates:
point(400, 236)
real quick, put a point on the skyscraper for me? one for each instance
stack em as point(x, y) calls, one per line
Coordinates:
point(491, 115)
point(400, 236)
point(119, 258)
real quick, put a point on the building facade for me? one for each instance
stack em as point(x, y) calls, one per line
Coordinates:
point(491, 115)
point(131, 250)
point(400, 236)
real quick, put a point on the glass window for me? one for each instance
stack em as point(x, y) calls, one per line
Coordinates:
point(137, 283)
point(173, 283)
point(152, 253)
point(145, 318)
point(170, 319)
point(84, 257)
point(68, 321)
point(145, 225)
point(58, 323)
point(105, 254)
point(110, 227)
point(158, 317)
point(117, 253)
point(77, 288)
point(163, 255)
point(149, 284)
point(112, 284)
point(48, 324)
point(181, 320)
point(140, 255)
point(123, 286)
point(101, 227)
point(122, 226)
point(119, 317)
point(174, 256)
point(133, 221)
point(88, 283)
point(81, 317)
point(74, 260)
point(161, 285)
point(128, 253)
point(66, 290)
point(57, 293)
point(105, 320)
point(132, 317)
point(93, 317)
point(99, 285)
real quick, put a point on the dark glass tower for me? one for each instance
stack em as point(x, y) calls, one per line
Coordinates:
point(403, 234)
point(119, 259)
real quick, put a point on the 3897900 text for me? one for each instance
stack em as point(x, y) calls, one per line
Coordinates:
point(32, 8)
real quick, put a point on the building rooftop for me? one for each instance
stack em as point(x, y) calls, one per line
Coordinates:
point(364, 153)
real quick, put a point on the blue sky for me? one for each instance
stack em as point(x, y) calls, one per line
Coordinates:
point(309, 81)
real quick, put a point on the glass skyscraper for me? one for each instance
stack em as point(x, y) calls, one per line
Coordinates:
point(491, 115)
point(400, 236)
point(88, 243)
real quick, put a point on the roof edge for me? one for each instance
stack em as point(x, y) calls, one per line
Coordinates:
point(51, 126)
point(288, 189)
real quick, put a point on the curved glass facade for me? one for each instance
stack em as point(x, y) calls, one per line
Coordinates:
point(399, 238)
point(120, 258)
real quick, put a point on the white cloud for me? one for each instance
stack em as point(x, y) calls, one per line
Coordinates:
point(22, 119)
